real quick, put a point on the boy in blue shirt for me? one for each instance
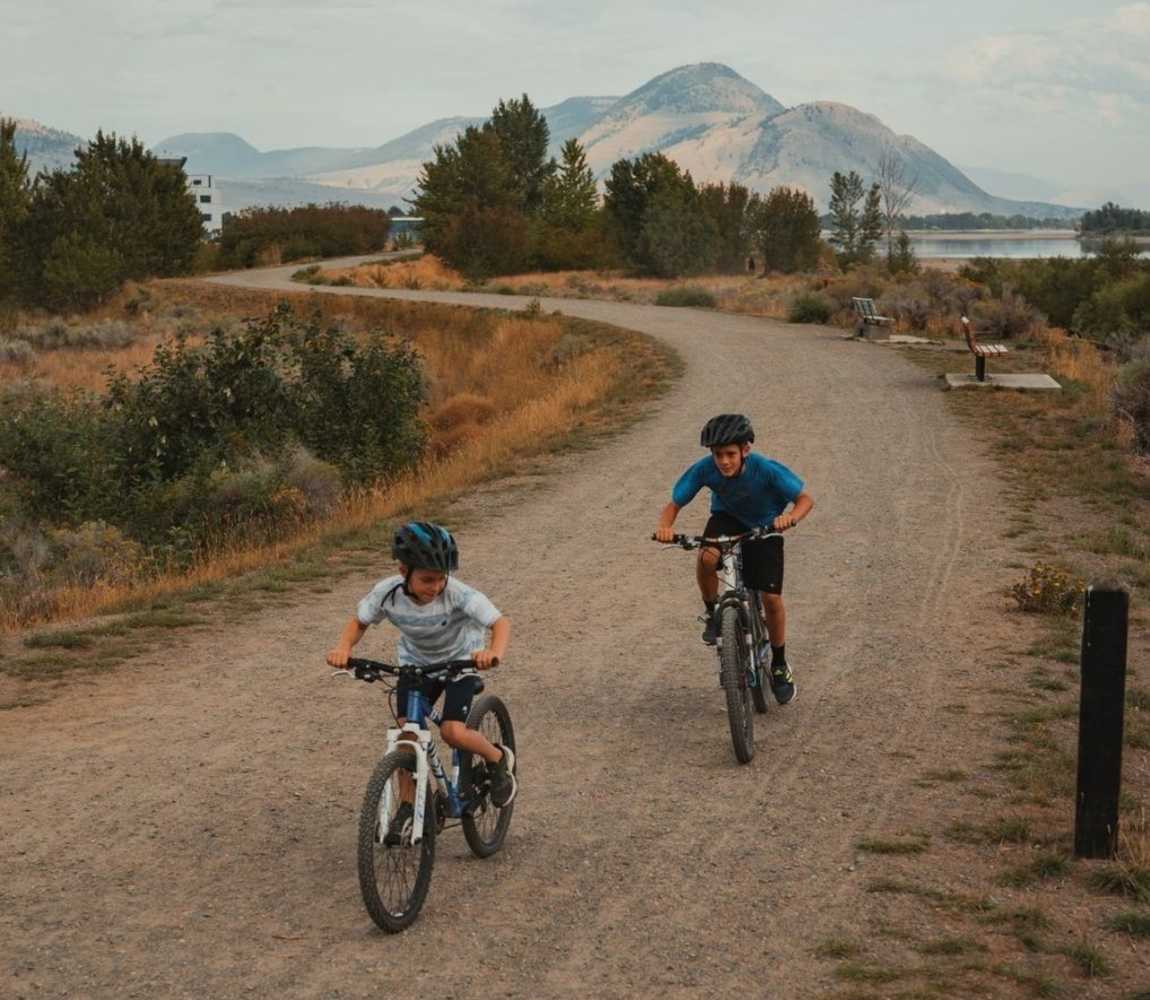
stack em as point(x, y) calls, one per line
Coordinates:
point(748, 491)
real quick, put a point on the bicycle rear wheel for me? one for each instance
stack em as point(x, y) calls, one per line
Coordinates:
point(393, 877)
point(733, 676)
point(484, 824)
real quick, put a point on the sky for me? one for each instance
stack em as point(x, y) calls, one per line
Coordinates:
point(1049, 88)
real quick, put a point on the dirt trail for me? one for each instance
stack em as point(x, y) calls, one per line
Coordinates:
point(185, 827)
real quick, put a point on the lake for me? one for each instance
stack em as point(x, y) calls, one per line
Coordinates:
point(977, 245)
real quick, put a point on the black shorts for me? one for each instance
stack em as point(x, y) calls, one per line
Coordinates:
point(762, 559)
point(456, 704)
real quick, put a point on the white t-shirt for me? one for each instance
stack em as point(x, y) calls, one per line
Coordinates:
point(451, 627)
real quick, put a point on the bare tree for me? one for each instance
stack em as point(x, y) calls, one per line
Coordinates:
point(897, 189)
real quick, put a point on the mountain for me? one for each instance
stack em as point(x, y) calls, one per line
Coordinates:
point(47, 148)
point(722, 127)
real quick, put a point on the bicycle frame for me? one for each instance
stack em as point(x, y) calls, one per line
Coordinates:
point(427, 763)
point(734, 593)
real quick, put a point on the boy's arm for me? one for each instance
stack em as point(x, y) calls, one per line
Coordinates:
point(802, 507)
point(664, 531)
point(352, 632)
point(497, 647)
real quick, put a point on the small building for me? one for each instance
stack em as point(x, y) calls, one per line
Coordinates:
point(205, 192)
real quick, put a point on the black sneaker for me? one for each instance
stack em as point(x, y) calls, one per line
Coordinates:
point(400, 828)
point(502, 785)
point(783, 685)
point(710, 629)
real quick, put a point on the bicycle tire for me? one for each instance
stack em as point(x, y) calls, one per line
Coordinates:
point(485, 825)
point(733, 676)
point(396, 907)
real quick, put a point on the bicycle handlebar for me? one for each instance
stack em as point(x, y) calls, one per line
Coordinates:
point(370, 670)
point(697, 541)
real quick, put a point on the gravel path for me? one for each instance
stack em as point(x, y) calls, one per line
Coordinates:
point(185, 827)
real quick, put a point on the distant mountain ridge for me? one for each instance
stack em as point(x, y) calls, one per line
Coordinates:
point(47, 148)
point(705, 116)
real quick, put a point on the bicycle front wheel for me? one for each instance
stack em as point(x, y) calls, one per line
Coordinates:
point(758, 675)
point(733, 676)
point(394, 873)
point(485, 824)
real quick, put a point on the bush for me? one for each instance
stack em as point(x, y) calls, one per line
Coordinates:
point(810, 307)
point(57, 334)
point(275, 235)
point(16, 352)
point(1132, 400)
point(1047, 590)
point(686, 295)
point(1005, 318)
point(95, 552)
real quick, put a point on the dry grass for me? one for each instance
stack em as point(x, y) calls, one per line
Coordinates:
point(502, 389)
point(425, 272)
point(84, 369)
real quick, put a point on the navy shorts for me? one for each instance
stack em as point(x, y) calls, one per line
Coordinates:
point(457, 702)
point(762, 559)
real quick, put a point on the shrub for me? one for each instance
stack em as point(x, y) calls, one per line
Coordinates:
point(1132, 400)
point(57, 334)
point(686, 295)
point(1047, 590)
point(95, 552)
point(16, 352)
point(284, 234)
point(908, 309)
point(810, 307)
point(1005, 318)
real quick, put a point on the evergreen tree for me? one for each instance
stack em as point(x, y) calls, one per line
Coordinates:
point(15, 197)
point(786, 231)
point(856, 230)
point(902, 259)
point(525, 135)
point(570, 199)
point(678, 236)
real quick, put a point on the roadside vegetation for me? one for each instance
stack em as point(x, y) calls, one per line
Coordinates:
point(218, 443)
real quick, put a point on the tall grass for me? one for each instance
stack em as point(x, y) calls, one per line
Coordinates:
point(503, 388)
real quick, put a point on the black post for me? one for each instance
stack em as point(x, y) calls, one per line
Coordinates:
point(1100, 722)
point(979, 368)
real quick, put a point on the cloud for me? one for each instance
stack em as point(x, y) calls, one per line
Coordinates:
point(1099, 64)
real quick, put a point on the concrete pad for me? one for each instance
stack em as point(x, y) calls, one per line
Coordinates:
point(1010, 380)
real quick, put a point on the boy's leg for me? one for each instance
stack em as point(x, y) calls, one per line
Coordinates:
point(456, 705)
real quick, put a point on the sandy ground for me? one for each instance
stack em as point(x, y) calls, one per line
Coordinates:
point(185, 827)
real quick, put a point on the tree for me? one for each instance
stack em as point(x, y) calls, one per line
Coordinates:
point(897, 191)
point(471, 177)
point(785, 228)
point(15, 197)
point(730, 207)
point(630, 189)
point(118, 214)
point(855, 230)
point(524, 135)
point(677, 237)
point(570, 199)
point(902, 259)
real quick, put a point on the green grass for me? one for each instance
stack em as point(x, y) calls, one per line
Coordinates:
point(951, 946)
point(837, 948)
point(686, 295)
point(878, 846)
point(60, 640)
point(1132, 881)
point(1045, 866)
point(1136, 923)
point(857, 972)
point(1090, 961)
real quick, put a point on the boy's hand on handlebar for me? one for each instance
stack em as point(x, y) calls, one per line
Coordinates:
point(664, 534)
point(338, 657)
point(784, 521)
point(485, 659)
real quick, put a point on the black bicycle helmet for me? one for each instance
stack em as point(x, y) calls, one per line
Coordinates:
point(727, 428)
point(423, 545)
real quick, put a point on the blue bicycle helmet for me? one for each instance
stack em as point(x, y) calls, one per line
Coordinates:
point(423, 545)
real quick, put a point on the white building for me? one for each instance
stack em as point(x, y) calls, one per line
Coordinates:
point(205, 192)
point(207, 197)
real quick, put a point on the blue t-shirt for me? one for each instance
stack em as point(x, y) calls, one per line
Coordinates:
point(756, 496)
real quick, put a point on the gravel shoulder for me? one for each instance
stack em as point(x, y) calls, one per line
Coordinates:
point(185, 826)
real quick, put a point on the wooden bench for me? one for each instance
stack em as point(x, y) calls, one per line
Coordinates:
point(980, 351)
point(868, 316)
